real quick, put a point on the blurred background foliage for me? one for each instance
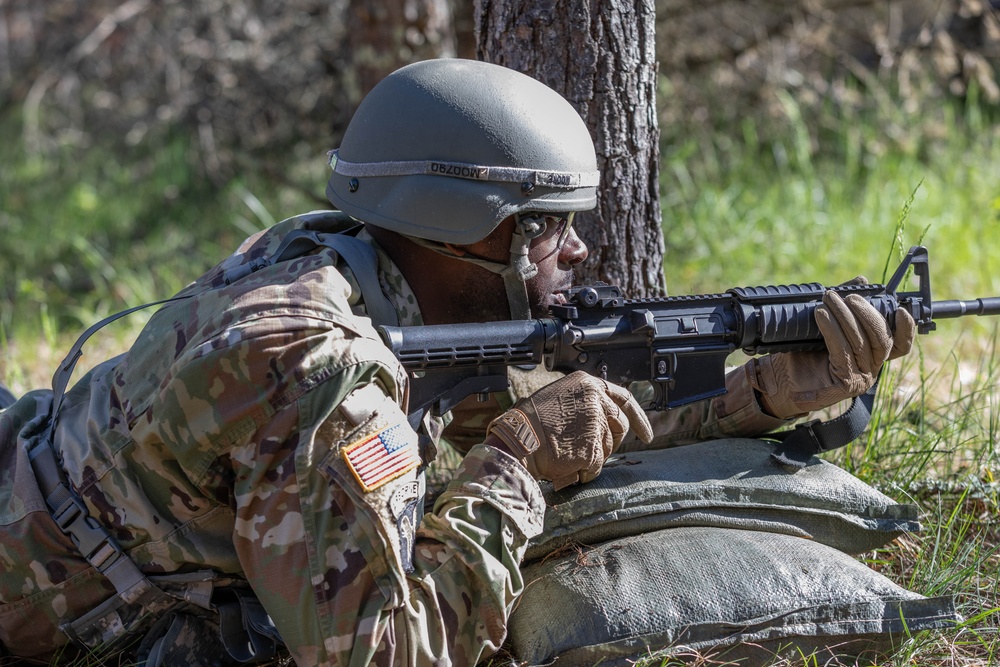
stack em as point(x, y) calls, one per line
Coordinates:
point(142, 140)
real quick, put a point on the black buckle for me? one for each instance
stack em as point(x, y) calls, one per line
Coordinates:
point(91, 538)
point(68, 513)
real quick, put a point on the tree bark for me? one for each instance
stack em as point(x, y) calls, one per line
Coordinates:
point(599, 54)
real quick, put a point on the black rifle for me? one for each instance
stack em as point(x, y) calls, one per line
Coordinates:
point(679, 344)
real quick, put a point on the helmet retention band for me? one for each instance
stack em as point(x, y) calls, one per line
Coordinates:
point(476, 172)
point(516, 273)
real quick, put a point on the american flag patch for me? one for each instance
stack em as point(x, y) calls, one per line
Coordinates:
point(384, 456)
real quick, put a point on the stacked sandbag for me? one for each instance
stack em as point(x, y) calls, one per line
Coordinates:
point(715, 549)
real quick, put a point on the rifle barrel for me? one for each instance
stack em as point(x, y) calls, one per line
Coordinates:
point(945, 309)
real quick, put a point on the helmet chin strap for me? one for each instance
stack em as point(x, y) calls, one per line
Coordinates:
point(517, 272)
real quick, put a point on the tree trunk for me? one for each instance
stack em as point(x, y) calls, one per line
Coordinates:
point(600, 55)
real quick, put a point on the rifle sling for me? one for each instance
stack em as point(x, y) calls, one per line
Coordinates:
point(813, 437)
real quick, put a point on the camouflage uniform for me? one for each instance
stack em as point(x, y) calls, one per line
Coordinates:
point(224, 439)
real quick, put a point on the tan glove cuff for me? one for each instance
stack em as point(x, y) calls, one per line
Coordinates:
point(516, 431)
point(770, 392)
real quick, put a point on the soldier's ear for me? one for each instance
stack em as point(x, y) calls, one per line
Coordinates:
point(456, 249)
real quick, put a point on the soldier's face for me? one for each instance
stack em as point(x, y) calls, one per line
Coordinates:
point(555, 252)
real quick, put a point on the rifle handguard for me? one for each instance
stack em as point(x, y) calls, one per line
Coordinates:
point(516, 431)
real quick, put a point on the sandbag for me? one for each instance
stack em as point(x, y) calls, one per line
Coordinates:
point(731, 483)
point(745, 597)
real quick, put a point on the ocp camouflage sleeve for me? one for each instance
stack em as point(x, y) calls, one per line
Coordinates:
point(255, 429)
point(349, 575)
point(302, 399)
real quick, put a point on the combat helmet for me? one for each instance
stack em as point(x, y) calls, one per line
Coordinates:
point(443, 150)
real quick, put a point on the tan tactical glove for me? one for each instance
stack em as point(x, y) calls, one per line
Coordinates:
point(858, 342)
point(566, 430)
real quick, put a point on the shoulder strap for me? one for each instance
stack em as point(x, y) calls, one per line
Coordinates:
point(361, 259)
point(7, 399)
point(70, 513)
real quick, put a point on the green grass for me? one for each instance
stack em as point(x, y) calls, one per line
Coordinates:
point(735, 212)
point(84, 233)
point(86, 229)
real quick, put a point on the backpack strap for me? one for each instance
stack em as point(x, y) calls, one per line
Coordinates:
point(361, 259)
point(69, 512)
